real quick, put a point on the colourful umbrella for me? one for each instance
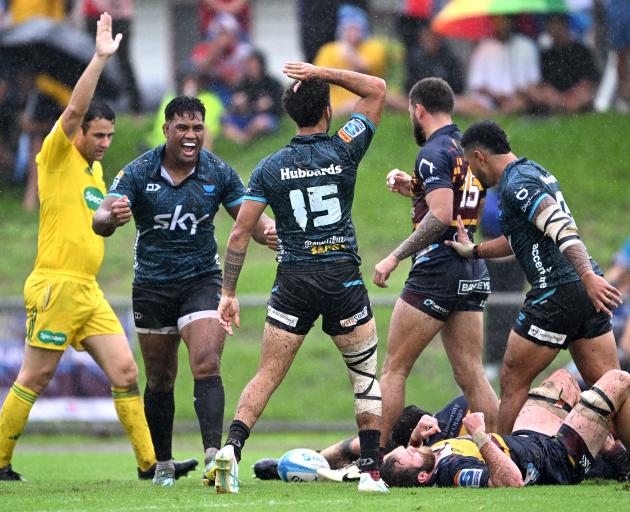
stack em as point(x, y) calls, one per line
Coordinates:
point(470, 19)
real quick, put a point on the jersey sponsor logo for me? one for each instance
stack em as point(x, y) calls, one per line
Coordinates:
point(540, 267)
point(548, 336)
point(284, 318)
point(548, 179)
point(172, 221)
point(531, 475)
point(468, 478)
point(333, 243)
point(467, 286)
point(351, 129)
point(425, 164)
point(56, 338)
point(354, 319)
point(522, 194)
point(585, 463)
point(289, 174)
point(93, 198)
point(209, 189)
point(117, 179)
point(153, 187)
point(431, 179)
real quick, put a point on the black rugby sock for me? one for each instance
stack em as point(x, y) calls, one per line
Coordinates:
point(237, 436)
point(370, 452)
point(209, 405)
point(159, 408)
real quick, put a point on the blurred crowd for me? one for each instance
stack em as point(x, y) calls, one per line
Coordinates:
point(534, 64)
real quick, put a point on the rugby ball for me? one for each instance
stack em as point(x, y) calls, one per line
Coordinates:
point(301, 465)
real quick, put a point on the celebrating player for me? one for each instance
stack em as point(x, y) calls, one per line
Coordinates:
point(64, 303)
point(444, 292)
point(309, 185)
point(174, 191)
point(548, 446)
point(567, 306)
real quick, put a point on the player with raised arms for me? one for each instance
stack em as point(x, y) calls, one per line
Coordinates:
point(64, 304)
point(309, 185)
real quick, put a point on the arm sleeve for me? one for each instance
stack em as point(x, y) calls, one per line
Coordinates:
point(523, 195)
point(434, 170)
point(256, 189)
point(54, 149)
point(356, 134)
point(124, 184)
point(234, 190)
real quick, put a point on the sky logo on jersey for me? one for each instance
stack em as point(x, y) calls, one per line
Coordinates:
point(351, 129)
point(173, 221)
point(93, 198)
point(209, 189)
point(468, 478)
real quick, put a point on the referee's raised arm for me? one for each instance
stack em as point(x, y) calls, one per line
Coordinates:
point(83, 92)
point(371, 89)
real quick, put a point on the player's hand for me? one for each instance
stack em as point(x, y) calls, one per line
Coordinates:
point(120, 212)
point(383, 269)
point(399, 181)
point(604, 296)
point(106, 46)
point(300, 71)
point(426, 427)
point(228, 313)
point(271, 236)
point(463, 246)
point(474, 423)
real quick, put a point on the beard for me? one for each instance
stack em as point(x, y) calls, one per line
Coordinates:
point(428, 459)
point(418, 134)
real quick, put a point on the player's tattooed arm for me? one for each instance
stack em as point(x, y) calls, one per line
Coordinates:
point(428, 231)
point(232, 266)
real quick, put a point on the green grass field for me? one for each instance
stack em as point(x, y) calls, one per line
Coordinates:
point(65, 475)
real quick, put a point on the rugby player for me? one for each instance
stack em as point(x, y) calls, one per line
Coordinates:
point(444, 292)
point(309, 185)
point(568, 305)
point(548, 446)
point(64, 303)
point(174, 192)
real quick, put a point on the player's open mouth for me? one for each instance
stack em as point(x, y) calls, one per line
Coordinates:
point(188, 148)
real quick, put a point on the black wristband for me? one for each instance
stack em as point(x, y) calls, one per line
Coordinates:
point(475, 252)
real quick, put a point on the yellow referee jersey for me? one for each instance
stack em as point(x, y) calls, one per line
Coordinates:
point(70, 192)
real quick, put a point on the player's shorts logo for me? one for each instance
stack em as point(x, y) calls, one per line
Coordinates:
point(284, 318)
point(548, 336)
point(56, 338)
point(93, 198)
point(354, 319)
point(467, 286)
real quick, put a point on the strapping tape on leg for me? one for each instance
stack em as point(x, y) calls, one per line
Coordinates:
point(362, 371)
point(596, 405)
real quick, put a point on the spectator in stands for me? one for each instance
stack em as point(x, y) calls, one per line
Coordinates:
point(569, 75)
point(189, 85)
point(209, 9)
point(318, 22)
point(431, 56)
point(221, 59)
point(618, 16)
point(353, 50)
point(121, 12)
point(256, 104)
point(502, 69)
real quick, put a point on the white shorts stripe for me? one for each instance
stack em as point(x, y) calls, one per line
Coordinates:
point(183, 321)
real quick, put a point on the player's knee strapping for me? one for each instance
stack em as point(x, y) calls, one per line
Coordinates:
point(552, 395)
point(595, 405)
point(362, 371)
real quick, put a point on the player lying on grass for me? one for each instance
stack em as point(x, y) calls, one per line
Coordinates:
point(548, 445)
